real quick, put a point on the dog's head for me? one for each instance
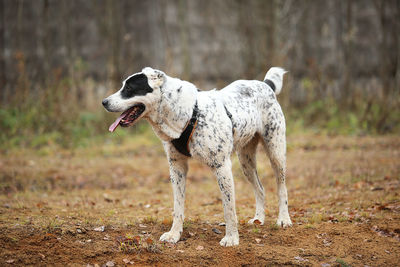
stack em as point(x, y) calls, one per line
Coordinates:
point(138, 95)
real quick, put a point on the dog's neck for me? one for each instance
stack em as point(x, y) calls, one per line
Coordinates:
point(174, 109)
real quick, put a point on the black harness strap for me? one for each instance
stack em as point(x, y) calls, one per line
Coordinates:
point(270, 83)
point(182, 143)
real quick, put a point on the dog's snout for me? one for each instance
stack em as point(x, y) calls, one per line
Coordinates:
point(105, 103)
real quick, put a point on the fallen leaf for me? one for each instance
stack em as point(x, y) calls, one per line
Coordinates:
point(215, 230)
point(166, 221)
point(10, 261)
point(149, 241)
point(199, 247)
point(257, 222)
point(110, 264)
point(298, 258)
point(377, 188)
point(126, 261)
point(107, 198)
point(179, 250)
point(99, 229)
point(242, 222)
point(258, 240)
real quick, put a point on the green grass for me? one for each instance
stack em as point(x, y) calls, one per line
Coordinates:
point(342, 263)
point(53, 119)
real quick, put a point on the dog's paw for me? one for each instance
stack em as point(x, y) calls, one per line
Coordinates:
point(284, 222)
point(230, 240)
point(170, 237)
point(256, 220)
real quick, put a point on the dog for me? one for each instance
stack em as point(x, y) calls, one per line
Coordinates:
point(209, 126)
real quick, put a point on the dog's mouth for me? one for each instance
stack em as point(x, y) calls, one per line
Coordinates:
point(128, 117)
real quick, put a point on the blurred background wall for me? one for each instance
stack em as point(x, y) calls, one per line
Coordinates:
point(344, 54)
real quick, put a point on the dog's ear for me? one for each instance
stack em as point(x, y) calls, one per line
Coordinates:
point(156, 78)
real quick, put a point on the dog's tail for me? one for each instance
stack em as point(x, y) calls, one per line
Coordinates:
point(274, 79)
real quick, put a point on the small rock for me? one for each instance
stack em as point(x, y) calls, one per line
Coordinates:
point(325, 265)
point(215, 230)
point(126, 261)
point(387, 251)
point(222, 224)
point(89, 241)
point(298, 258)
point(10, 261)
point(79, 231)
point(147, 206)
point(99, 229)
point(106, 237)
point(199, 248)
point(110, 264)
point(258, 240)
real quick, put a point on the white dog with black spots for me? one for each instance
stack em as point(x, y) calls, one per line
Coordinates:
point(235, 118)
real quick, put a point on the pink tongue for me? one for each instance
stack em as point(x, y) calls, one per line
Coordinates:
point(116, 123)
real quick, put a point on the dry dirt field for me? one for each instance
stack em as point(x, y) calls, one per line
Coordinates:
point(109, 204)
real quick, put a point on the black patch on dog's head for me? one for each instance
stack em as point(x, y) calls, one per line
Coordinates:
point(136, 85)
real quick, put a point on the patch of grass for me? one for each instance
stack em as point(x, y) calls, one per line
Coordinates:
point(317, 218)
point(274, 227)
point(342, 218)
point(52, 225)
point(187, 224)
point(150, 220)
point(342, 263)
point(309, 226)
point(136, 244)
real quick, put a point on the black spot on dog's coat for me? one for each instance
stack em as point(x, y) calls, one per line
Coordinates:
point(136, 85)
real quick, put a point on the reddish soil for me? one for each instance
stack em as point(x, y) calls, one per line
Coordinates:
point(343, 194)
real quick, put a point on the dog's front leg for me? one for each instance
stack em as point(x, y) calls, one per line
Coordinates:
point(226, 185)
point(178, 169)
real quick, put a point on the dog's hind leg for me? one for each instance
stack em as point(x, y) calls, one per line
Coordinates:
point(178, 168)
point(247, 159)
point(226, 185)
point(275, 146)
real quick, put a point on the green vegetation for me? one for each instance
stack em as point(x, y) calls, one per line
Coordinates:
point(40, 125)
point(57, 115)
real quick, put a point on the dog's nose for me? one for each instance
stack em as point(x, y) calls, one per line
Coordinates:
point(105, 103)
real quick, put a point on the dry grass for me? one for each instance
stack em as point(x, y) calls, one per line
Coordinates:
point(339, 187)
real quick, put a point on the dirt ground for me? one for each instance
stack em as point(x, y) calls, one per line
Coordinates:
point(109, 204)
